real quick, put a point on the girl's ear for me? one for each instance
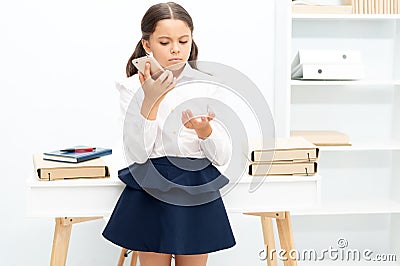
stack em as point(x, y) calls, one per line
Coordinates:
point(146, 46)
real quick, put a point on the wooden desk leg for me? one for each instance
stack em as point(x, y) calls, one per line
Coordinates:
point(134, 258)
point(122, 257)
point(286, 238)
point(62, 234)
point(61, 238)
point(269, 241)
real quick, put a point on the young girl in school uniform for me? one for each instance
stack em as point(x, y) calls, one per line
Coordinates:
point(171, 204)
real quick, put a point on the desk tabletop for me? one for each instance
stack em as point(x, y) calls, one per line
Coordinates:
point(97, 196)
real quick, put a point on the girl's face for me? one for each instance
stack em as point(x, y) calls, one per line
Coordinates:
point(170, 43)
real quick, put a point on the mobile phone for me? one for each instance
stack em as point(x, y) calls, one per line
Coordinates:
point(140, 64)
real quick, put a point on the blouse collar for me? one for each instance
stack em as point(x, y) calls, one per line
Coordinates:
point(191, 74)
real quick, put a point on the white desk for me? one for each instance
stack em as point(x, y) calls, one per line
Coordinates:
point(73, 201)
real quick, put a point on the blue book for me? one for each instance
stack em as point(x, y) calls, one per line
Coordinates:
point(75, 155)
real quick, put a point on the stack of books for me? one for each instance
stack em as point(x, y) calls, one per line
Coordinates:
point(346, 7)
point(376, 6)
point(327, 65)
point(291, 156)
point(76, 162)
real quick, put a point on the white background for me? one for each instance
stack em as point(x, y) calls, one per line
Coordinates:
point(58, 64)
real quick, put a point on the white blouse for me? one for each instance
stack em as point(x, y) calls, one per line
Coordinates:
point(166, 136)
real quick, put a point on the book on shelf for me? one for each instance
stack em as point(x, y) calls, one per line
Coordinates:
point(323, 137)
point(76, 157)
point(53, 170)
point(375, 6)
point(354, 3)
point(282, 168)
point(322, 9)
point(292, 149)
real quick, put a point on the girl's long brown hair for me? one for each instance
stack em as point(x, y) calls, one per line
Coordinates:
point(154, 14)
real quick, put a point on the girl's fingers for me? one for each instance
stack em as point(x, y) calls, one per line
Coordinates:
point(210, 116)
point(163, 76)
point(171, 86)
point(147, 71)
point(141, 78)
point(185, 117)
point(189, 112)
point(186, 120)
point(192, 122)
point(170, 77)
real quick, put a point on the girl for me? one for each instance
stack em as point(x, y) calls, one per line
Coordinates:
point(171, 204)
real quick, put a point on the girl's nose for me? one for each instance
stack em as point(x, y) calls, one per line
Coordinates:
point(175, 49)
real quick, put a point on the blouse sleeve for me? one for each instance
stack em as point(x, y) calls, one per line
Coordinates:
point(217, 147)
point(139, 134)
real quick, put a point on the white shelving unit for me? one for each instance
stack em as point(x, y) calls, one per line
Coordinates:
point(359, 83)
point(360, 184)
point(345, 16)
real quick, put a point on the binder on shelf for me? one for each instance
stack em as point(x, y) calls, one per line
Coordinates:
point(361, 6)
point(329, 72)
point(280, 168)
point(380, 6)
point(391, 7)
point(354, 3)
point(317, 56)
point(293, 149)
point(52, 170)
point(323, 137)
point(322, 9)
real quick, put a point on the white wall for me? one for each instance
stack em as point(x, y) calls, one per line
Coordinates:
point(58, 63)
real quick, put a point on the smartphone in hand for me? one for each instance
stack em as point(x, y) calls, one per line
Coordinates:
point(140, 64)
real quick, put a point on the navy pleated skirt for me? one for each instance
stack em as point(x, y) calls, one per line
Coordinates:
point(171, 205)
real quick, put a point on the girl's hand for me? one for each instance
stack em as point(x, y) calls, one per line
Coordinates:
point(154, 91)
point(200, 123)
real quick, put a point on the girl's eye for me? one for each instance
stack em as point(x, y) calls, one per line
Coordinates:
point(183, 42)
point(163, 43)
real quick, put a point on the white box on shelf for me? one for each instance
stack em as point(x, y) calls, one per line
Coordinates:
point(318, 56)
point(329, 72)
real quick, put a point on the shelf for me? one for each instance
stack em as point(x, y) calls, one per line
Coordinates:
point(33, 182)
point(365, 145)
point(296, 83)
point(345, 16)
point(279, 178)
point(382, 206)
